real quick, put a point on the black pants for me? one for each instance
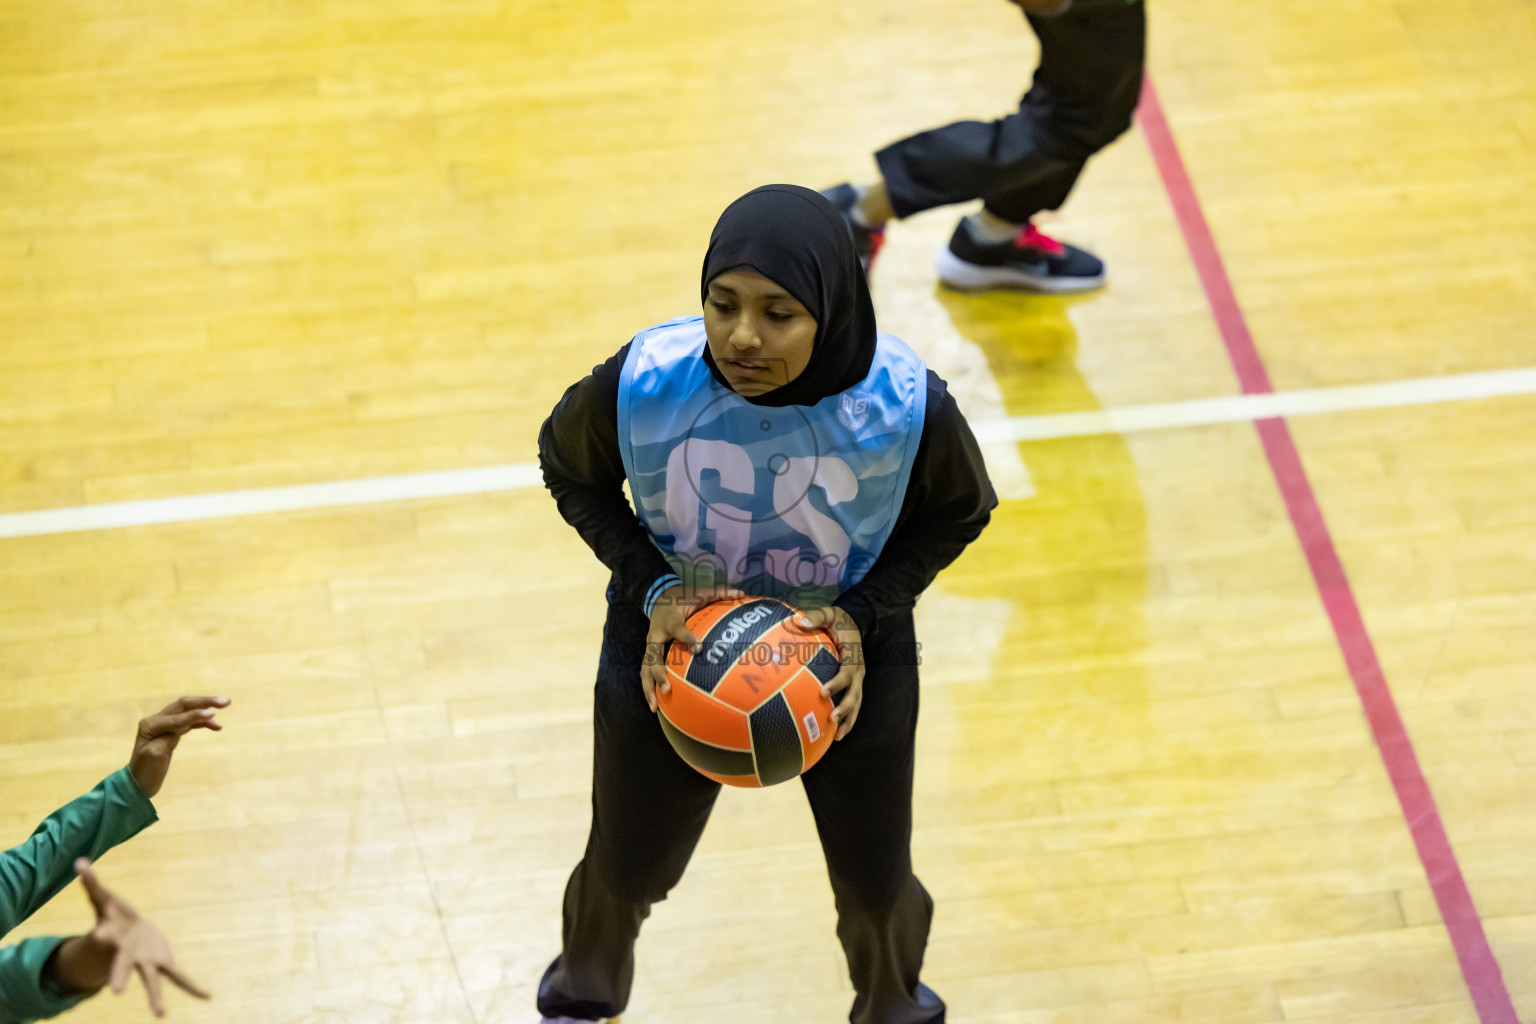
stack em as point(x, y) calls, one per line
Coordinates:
point(649, 809)
point(1083, 97)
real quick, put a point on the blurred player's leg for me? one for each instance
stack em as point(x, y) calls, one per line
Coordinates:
point(1083, 97)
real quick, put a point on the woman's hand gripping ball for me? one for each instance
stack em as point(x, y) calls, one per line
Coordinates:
point(669, 624)
point(849, 680)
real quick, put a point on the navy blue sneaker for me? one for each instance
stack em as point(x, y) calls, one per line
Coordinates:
point(1032, 262)
point(866, 241)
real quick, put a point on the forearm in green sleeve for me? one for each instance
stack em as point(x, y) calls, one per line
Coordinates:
point(36, 871)
point(24, 994)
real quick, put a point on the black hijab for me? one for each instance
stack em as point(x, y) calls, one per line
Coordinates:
point(795, 238)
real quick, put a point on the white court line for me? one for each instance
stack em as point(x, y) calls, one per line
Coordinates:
point(483, 480)
point(1202, 411)
point(493, 479)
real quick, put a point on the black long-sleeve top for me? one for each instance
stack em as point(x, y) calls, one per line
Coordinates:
point(948, 501)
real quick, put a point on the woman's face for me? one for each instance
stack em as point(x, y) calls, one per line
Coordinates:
point(759, 335)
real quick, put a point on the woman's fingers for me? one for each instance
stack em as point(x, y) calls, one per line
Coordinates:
point(838, 683)
point(683, 635)
point(663, 678)
point(151, 978)
point(177, 725)
point(653, 673)
point(182, 705)
point(846, 725)
point(183, 982)
point(194, 704)
point(849, 681)
point(648, 682)
point(659, 685)
point(180, 724)
point(825, 617)
point(88, 879)
point(94, 890)
point(122, 970)
point(202, 718)
point(669, 625)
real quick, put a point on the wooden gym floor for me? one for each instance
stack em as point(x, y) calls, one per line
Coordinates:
point(248, 246)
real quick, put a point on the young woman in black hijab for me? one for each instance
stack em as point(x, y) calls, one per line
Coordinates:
point(779, 447)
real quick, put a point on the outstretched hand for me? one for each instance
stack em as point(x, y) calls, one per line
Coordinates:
point(669, 624)
point(159, 733)
point(132, 942)
point(849, 680)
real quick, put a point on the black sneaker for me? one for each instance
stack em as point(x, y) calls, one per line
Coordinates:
point(866, 241)
point(1032, 262)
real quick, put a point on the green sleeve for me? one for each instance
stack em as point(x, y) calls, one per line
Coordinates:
point(36, 871)
point(23, 996)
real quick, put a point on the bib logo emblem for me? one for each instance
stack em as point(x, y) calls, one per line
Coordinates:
point(853, 412)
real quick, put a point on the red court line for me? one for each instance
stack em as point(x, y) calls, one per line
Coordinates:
point(1478, 965)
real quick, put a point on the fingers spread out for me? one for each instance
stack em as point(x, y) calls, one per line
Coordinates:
point(151, 976)
point(183, 982)
point(94, 890)
point(122, 969)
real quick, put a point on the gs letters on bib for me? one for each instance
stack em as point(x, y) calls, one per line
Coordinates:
point(793, 502)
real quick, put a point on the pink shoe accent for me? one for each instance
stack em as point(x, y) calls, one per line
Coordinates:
point(876, 241)
point(1033, 238)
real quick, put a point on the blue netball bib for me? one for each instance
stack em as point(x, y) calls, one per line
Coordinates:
point(793, 502)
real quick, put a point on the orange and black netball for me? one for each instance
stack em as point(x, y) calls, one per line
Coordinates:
point(747, 710)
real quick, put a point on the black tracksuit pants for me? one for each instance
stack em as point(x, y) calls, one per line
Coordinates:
point(649, 809)
point(1083, 97)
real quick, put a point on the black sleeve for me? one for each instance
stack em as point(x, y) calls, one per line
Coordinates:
point(579, 456)
point(949, 500)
